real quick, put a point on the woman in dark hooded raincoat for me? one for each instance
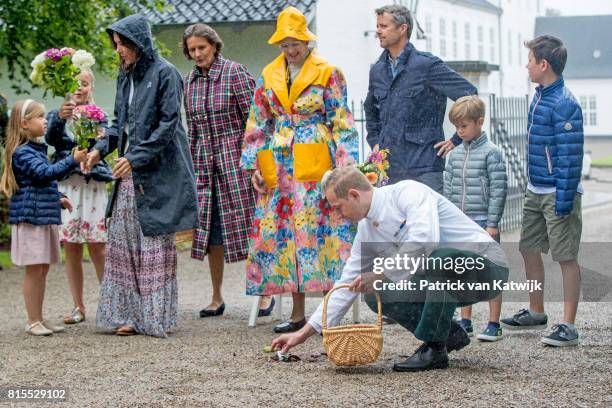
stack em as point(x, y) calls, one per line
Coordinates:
point(154, 195)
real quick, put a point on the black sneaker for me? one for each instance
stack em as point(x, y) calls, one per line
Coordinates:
point(524, 320)
point(457, 338)
point(561, 336)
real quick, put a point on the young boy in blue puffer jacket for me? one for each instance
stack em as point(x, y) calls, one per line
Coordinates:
point(552, 211)
point(475, 181)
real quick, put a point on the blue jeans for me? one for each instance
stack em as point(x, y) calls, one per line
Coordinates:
point(433, 180)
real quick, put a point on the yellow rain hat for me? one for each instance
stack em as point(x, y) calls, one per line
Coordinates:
point(291, 23)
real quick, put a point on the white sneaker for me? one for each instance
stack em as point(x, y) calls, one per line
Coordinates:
point(54, 329)
point(37, 329)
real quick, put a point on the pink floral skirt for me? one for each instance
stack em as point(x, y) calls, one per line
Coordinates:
point(86, 221)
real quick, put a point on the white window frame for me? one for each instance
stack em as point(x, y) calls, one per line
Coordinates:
point(467, 29)
point(442, 30)
point(480, 40)
point(428, 31)
point(455, 47)
point(492, 41)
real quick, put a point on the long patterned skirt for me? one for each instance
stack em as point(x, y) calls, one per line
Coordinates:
point(139, 288)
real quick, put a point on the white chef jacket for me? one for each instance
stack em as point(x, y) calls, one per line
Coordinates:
point(427, 217)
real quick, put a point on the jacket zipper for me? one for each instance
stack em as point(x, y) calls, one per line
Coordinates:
point(548, 160)
point(529, 132)
point(467, 156)
point(485, 189)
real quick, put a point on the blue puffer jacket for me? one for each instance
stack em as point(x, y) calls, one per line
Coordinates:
point(37, 201)
point(58, 137)
point(555, 142)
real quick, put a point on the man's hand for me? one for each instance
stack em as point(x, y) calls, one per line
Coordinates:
point(123, 168)
point(258, 182)
point(365, 282)
point(290, 340)
point(65, 203)
point(93, 158)
point(375, 148)
point(444, 147)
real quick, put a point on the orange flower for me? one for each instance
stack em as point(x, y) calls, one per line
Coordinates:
point(372, 177)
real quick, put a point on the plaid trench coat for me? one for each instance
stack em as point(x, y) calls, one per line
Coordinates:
point(217, 108)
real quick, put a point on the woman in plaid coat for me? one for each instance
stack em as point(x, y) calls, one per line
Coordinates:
point(217, 98)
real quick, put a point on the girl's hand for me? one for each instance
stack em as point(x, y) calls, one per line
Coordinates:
point(80, 155)
point(122, 168)
point(65, 203)
point(93, 158)
point(66, 109)
point(258, 182)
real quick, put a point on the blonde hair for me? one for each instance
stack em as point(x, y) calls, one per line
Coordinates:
point(342, 179)
point(16, 136)
point(467, 107)
point(89, 72)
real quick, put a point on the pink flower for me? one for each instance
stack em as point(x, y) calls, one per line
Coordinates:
point(254, 273)
point(375, 157)
point(343, 158)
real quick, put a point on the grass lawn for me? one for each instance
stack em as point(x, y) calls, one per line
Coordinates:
point(5, 259)
point(603, 162)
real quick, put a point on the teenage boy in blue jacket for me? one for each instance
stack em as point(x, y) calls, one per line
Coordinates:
point(552, 210)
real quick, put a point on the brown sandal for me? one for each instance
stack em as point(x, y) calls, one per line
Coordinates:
point(76, 316)
point(125, 331)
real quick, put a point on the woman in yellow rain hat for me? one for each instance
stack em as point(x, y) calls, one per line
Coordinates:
point(299, 127)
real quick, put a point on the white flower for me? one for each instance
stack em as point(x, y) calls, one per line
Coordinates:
point(39, 59)
point(36, 77)
point(83, 59)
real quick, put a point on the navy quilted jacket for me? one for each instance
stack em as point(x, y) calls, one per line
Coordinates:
point(405, 113)
point(555, 143)
point(37, 201)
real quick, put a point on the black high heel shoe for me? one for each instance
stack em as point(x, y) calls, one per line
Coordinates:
point(268, 310)
point(213, 312)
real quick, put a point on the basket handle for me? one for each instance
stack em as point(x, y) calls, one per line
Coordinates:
point(346, 285)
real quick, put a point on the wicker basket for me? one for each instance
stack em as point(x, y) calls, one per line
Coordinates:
point(184, 236)
point(353, 344)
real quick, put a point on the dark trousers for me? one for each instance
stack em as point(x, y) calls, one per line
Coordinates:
point(428, 313)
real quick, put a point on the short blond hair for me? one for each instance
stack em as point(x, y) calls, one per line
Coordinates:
point(467, 107)
point(342, 179)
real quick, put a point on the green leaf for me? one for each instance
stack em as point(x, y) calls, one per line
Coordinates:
point(32, 26)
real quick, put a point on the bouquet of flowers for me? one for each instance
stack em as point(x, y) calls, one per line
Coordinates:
point(375, 168)
point(86, 124)
point(55, 70)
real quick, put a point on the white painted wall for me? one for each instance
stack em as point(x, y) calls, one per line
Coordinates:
point(341, 27)
point(517, 25)
point(602, 90)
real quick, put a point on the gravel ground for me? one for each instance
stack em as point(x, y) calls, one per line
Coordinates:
point(219, 362)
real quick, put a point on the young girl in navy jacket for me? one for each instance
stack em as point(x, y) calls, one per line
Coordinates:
point(29, 179)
